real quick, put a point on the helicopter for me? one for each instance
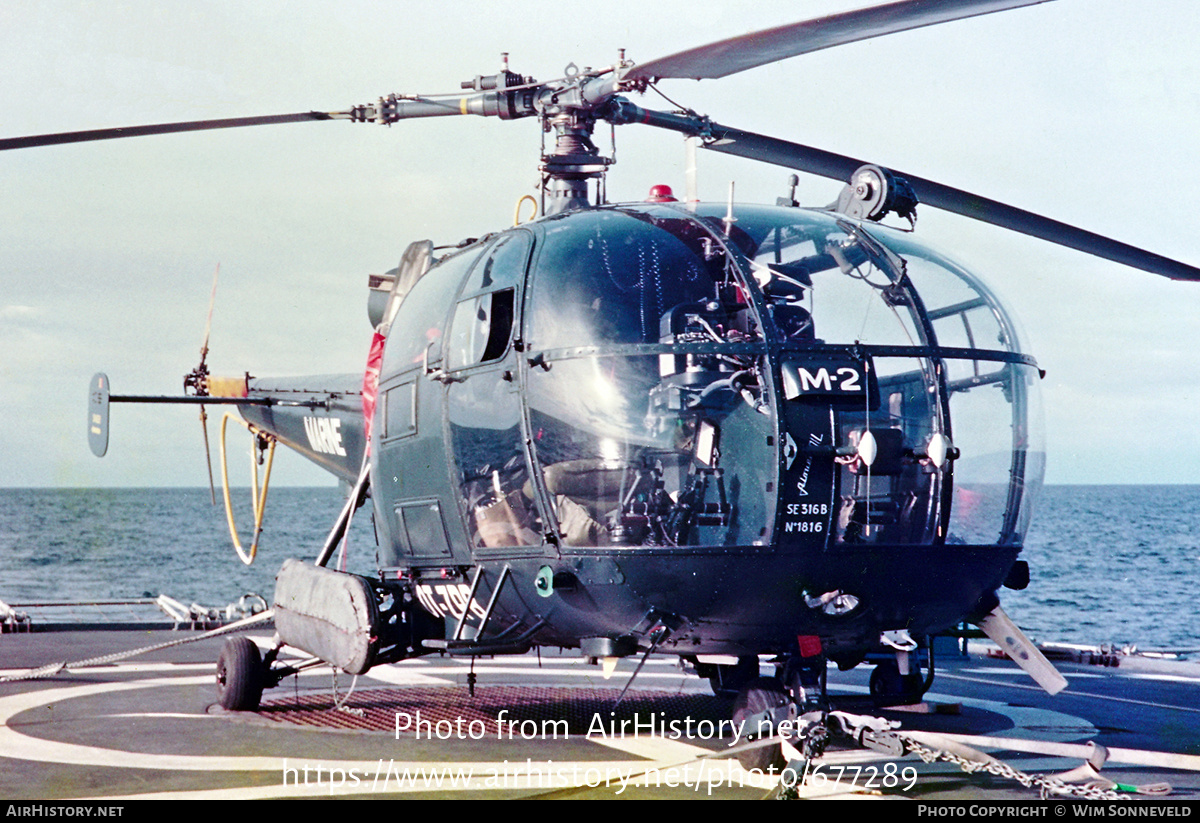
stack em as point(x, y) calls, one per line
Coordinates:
point(655, 462)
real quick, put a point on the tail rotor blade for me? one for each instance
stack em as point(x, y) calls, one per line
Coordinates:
point(212, 302)
point(212, 489)
point(199, 380)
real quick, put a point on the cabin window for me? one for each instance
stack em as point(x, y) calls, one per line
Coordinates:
point(481, 328)
point(400, 410)
point(416, 332)
point(485, 315)
point(498, 504)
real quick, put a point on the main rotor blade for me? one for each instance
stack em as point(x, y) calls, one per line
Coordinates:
point(759, 48)
point(839, 167)
point(35, 140)
point(931, 193)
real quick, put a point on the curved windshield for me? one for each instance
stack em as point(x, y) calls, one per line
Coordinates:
point(996, 405)
point(614, 275)
point(928, 360)
point(788, 377)
point(650, 413)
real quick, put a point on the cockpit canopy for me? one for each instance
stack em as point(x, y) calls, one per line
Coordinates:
point(656, 375)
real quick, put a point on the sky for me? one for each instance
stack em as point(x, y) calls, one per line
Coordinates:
point(1082, 110)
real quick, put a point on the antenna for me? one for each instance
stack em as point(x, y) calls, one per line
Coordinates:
point(692, 188)
point(729, 218)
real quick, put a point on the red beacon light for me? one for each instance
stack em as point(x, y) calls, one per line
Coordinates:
point(661, 194)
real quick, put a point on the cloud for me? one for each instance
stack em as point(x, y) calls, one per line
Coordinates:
point(21, 312)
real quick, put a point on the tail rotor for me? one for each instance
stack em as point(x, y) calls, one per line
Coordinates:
point(197, 381)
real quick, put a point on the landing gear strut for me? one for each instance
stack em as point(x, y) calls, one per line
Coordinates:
point(728, 680)
point(794, 704)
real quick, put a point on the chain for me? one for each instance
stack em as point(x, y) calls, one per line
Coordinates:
point(1046, 786)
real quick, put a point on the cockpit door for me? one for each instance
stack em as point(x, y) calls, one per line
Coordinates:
point(483, 408)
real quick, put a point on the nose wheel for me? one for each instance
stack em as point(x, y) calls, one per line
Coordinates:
point(755, 708)
point(793, 705)
point(890, 688)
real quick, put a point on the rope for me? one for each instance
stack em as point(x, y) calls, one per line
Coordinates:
point(54, 668)
point(341, 703)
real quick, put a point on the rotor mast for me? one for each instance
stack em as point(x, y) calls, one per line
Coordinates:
point(571, 163)
point(571, 112)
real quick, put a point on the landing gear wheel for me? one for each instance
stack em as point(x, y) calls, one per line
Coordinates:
point(890, 688)
point(241, 675)
point(760, 694)
point(727, 681)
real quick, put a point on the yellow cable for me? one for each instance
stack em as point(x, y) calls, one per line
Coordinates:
point(517, 215)
point(259, 503)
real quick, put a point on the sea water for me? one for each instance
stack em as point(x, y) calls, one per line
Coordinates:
point(90, 544)
point(1113, 564)
point(1109, 564)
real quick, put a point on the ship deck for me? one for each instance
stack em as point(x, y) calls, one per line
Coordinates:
point(546, 726)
